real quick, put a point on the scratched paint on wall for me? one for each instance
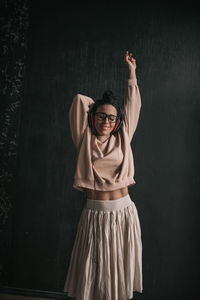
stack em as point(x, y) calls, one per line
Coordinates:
point(14, 25)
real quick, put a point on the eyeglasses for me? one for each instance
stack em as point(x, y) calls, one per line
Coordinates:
point(102, 116)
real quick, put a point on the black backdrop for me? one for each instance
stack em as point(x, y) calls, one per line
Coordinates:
point(79, 49)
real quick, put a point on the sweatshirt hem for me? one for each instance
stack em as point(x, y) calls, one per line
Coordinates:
point(81, 185)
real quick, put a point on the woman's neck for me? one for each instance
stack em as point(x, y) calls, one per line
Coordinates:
point(103, 138)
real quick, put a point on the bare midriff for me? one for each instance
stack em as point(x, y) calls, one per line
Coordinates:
point(106, 195)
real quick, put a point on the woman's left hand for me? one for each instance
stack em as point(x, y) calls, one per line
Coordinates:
point(131, 62)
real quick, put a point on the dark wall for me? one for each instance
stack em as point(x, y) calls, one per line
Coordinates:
point(14, 23)
point(79, 49)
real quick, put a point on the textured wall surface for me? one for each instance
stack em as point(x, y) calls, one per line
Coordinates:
point(13, 44)
point(79, 49)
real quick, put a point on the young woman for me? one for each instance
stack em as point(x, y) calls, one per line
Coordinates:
point(106, 260)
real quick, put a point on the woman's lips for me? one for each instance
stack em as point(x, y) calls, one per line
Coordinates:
point(104, 127)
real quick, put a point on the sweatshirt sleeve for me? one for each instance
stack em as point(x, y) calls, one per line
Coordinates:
point(78, 117)
point(131, 107)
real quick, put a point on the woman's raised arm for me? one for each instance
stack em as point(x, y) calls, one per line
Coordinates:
point(132, 101)
point(78, 117)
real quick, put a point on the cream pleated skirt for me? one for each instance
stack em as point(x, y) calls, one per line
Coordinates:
point(106, 260)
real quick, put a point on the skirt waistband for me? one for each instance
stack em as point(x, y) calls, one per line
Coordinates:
point(109, 205)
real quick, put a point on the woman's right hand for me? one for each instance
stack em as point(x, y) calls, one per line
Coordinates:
point(131, 63)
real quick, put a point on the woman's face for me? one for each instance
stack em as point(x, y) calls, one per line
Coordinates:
point(105, 126)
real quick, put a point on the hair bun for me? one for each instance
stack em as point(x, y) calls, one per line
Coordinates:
point(107, 95)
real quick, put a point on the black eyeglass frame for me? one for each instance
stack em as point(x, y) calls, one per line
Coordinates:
point(107, 116)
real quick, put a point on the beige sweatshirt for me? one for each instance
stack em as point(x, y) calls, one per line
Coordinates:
point(104, 165)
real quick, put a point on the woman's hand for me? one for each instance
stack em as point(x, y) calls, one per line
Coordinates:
point(131, 63)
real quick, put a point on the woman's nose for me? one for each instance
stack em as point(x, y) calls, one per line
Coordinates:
point(106, 120)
